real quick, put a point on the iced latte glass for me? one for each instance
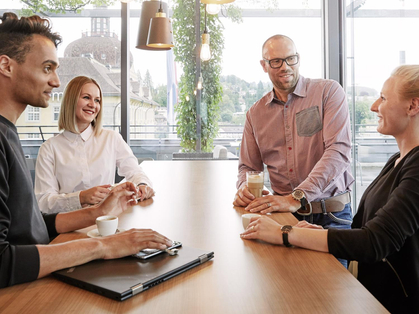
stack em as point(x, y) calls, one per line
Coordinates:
point(255, 182)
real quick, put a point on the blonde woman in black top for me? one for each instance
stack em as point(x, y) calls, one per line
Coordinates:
point(384, 238)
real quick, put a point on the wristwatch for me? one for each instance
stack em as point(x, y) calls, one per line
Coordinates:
point(285, 230)
point(304, 210)
point(298, 195)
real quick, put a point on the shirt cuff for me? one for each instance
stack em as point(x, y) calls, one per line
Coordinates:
point(73, 201)
point(26, 264)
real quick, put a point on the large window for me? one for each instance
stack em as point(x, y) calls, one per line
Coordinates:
point(378, 39)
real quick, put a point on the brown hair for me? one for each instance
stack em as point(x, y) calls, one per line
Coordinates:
point(16, 34)
point(67, 119)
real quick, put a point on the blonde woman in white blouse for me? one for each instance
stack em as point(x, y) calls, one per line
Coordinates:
point(77, 167)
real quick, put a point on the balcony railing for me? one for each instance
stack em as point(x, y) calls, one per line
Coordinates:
point(43, 132)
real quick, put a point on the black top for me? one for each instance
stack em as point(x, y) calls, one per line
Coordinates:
point(21, 223)
point(386, 243)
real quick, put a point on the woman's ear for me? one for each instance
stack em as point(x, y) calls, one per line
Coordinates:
point(414, 106)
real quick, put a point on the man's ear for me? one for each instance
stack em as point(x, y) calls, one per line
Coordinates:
point(414, 106)
point(5, 68)
point(263, 64)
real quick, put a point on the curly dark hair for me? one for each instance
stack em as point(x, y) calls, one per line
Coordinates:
point(16, 34)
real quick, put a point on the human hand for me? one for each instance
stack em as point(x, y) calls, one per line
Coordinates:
point(273, 203)
point(243, 196)
point(145, 192)
point(132, 241)
point(263, 228)
point(120, 198)
point(94, 195)
point(305, 224)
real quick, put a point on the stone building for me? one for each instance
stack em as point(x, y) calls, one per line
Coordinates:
point(97, 55)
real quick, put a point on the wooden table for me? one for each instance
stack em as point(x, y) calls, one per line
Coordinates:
point(193, 204)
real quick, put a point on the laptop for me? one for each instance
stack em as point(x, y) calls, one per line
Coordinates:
point(120, 279)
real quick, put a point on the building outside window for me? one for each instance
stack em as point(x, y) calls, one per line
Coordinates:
point(92, 43)
point(32, 114)
point(35, 136)
point(56, 113)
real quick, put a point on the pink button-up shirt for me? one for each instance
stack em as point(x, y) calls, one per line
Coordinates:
point(305, 142)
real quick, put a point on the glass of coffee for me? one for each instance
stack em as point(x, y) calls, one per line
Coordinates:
point(255, 182)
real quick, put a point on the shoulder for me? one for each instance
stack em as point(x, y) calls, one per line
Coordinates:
point(412, 157)
point(107, 133)
point(8, 135)
point(322, 84)
point(261, 103)
point(110, 136)
point(52, 142)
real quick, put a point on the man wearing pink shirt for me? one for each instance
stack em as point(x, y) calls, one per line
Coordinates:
point(301, 131)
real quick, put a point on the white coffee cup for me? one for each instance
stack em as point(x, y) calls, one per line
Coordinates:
point(107, 225)
point(246, 219)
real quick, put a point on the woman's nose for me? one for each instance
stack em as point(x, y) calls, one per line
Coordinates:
point(374, 106)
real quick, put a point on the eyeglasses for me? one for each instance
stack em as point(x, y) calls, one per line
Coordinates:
point(277, 62)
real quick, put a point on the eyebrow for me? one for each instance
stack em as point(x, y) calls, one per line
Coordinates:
point(81, 94)
point(52, 62)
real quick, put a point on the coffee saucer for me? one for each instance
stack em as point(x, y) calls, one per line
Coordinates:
point(95, 233)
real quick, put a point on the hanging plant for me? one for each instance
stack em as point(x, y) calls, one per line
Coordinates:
point(185, 51)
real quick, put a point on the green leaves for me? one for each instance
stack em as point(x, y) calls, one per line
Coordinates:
point(185, 51)
point(59, 6)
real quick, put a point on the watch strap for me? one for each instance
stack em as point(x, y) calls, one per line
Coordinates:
point(285, 239)
point(285, 230)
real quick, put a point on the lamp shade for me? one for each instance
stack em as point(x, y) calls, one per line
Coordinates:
point(216, 1)
point(148, 11)
point(160, 32)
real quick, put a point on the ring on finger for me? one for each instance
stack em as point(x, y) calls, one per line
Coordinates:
point(269, 204)
point(252, 227)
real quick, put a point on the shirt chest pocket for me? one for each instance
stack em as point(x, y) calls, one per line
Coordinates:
point(308, 122)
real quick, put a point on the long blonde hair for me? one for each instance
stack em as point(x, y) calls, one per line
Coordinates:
point(67, 119)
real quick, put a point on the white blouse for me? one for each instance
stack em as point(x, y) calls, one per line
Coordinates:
point(69, 163)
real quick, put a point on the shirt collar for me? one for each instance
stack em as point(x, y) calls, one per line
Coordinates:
point(300, 91)
point(85, 135)
point(301, 87)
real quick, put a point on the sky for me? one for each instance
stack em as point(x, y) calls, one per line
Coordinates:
point(376, 42)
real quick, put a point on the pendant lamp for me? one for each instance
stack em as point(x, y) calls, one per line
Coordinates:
point(148, 11)
point(200, 82)
point(213, 8)
point(160, 33)
point(216, 1)
point(205, 53)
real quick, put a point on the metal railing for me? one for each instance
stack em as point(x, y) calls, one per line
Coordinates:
point(47, 131)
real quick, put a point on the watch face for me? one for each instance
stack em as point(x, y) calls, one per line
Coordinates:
point(298, 194)
point(286, 228)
